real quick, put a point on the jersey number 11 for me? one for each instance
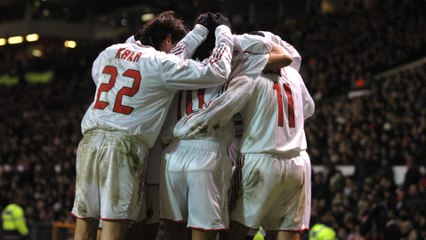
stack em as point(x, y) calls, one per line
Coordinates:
point(290, 102)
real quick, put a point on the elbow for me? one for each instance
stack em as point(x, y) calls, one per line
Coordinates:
point(286, 61)
point(224, 74)
point(217, 78)
point(277, 63)
point(311, 111)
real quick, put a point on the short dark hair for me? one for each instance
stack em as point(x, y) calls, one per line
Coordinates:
point(155, 31)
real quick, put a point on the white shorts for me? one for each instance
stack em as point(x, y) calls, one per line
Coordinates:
point(308, 170)
point(194, 180)
point(272, 192)
point(152, 198)
point(150, 205)
point(110, 176)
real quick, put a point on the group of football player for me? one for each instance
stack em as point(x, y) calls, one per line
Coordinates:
point(159, 139)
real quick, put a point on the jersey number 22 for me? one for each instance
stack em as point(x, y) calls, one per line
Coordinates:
point(124, 91)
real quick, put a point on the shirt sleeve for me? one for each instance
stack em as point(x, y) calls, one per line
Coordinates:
point(96, 67)
point(253, 44)
point(251, 55)
point(189, 74)
point(308, 102)
point(188, 45)
point(219, 110)
point(297, 58)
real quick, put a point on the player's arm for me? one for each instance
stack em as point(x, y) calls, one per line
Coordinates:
point(186, 47)
point(166, 135)
point(96, 67)
point(219, 110)
point(190, 74)
point(297, 58)
point(278, 58)
point(308, 102)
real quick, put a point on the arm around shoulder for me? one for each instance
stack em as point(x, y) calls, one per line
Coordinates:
point(278, 58)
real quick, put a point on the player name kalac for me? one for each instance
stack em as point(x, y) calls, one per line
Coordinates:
point(127, 54)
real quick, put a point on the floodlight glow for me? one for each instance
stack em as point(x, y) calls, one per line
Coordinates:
point(70, 44)
point(2, 41)
point(148, 16)
point(15, 40)
point(32, 37)
point(37, 53)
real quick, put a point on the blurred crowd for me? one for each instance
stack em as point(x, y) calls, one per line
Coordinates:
point(40, 124)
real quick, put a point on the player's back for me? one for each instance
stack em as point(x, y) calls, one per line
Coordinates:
point(274, 116)
point(131, 95)
point(193, 101)
point(249, 58)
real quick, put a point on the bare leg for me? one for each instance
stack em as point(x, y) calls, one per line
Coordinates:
point(174, 230)
point(237, 231)
point(86, 229)
point(151, 231)
point(283, 235)
point(223, 235)
point(203, 235)
point(99, 234)
point(271, 235)
point(136, 231)
point(114, 230)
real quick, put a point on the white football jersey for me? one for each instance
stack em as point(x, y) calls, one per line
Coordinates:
point(135, 85)
point(274, 116)
point(249, 59)
point(297, 58)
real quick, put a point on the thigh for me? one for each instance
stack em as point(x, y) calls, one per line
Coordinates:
point(114, 229)
point(267, 181)
point(308, 188)
point(208, 177)
point(288, 211)
point(258, 178)
point(173, 185)
point(121, 177)
point(175, 230)
point(87, 201)
point(86, 228)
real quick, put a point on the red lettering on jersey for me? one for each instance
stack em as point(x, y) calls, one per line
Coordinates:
point(201, 98)
point(125, 54)
point(137, 57)
point(119, 52)
point(188, 102)
point(130, 57)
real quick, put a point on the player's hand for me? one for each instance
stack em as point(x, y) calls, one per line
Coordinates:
point(220, 19)
point(185, 129)
point(204, 19)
